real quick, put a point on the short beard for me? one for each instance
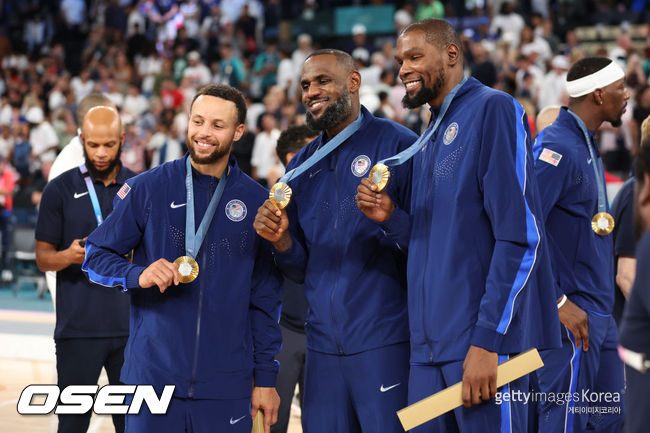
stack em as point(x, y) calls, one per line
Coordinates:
point(333, 115)
point(209, 159)
point(102, 174)
point(426, 94)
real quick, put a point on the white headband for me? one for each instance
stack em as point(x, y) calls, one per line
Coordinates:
point(597, 80)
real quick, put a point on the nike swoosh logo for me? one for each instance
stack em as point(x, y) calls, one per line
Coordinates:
point(235, 421)
point(388, 388)
point(589, 161)
point(315, 173)
point(77, 195)
point(176, 206)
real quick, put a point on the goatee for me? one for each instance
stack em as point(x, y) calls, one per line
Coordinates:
point(333, 115)
point(426, 94)
point(102, 174)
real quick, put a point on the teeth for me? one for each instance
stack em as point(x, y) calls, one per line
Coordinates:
point(411, 84)
point(316, 104)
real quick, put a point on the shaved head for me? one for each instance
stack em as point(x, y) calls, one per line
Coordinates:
point(546, 117)
point(437, 32)
point(102, 139)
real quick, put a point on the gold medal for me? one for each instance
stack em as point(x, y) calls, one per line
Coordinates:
point(602, 223)
point(188, 268)
point(280, 195)
point(379, 175)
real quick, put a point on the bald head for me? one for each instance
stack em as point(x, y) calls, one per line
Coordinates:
point(102, 138)
point(103, 118)
point(546, 117)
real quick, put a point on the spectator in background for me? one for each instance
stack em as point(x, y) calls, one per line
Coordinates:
point(7, 185)
point(553, 89)
point(42, 137)
point(264, 160)
point(196, 71)
point(265, 68)
point(429, 9)
point(640, 113)
point(135, 104)
point(242, 149)
point(163, 146)
point(301, 52)
point(231, 69)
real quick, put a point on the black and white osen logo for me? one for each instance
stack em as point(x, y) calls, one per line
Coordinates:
point(79, 399)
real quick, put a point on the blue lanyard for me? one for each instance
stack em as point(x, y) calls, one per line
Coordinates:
point(407, 153)
point(92, 194)
point(194, 240)
point(325, 150)
point(599, 171)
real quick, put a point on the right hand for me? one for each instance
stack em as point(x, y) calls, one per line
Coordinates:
point(574, 318)
point(160, 273)
point(76, 253)
point(375, 205)
point(272, 224)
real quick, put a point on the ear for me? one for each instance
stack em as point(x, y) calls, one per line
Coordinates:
point(82, 138)
point(239, 131)
point(453, 54)
point(598, 96)
point(122, 138)
point(354, 81)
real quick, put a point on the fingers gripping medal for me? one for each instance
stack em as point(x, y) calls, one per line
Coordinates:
point(280, 195)
point(187, 268)
point(379, 175)
point(602, 223)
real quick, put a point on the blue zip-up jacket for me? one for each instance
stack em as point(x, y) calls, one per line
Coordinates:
point(209, 337)
point(478, 271)
point(583, 262)
point(354, 275)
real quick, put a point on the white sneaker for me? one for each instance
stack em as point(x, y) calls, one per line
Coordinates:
point(7, 275)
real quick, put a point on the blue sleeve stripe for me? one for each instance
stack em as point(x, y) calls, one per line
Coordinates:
point(537, 146)
point(101, 279)
point(532, 231)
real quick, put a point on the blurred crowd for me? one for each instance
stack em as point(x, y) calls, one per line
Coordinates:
point(150, 57)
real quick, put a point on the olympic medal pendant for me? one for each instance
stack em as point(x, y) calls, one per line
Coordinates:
point(188, 268)
point(379, 175)
point(602, 223)
point(280, 195)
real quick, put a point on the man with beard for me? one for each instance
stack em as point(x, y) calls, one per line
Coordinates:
point(635, 328)
point(478, 285)
point(92, 323)
point(205, 296)
point(575, 209)
point(357, 336)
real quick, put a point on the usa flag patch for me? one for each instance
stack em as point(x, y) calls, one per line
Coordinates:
point(550, 157)
point(123, 191)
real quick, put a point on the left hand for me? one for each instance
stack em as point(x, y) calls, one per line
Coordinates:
point(479, 375)
point(268, 401)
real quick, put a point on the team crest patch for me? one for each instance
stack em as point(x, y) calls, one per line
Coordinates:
point(550, 157)
point(360, 165)
point(450, 134)
point(236, 210)
point(123, 191)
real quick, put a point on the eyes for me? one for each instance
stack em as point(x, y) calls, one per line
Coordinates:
point(199, 122)
point(320, 82)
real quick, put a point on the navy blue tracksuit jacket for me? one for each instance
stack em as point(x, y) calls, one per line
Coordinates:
point(209, 337)
point(353, 273)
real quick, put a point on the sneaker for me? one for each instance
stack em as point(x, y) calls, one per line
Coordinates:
point(7, 275)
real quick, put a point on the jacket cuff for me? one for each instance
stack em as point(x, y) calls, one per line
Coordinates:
point(397, 221)
point(265, 378)
point(486, 338)
point(133, 277)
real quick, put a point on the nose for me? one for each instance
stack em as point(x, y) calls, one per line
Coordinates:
point(626, 95)
point(310, 92)
point(404, 70)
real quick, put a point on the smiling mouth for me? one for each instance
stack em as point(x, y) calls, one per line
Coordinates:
point(316, 105)
point(411, 85)
point(203, 145)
